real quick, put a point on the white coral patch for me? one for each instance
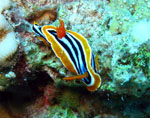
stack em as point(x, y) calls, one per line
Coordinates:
point(3, 23)
point(4, 4)
point(141, 31)
point(8, 47)
point(8, 43)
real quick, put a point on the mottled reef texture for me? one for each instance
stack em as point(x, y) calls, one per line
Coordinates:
point(117, 30)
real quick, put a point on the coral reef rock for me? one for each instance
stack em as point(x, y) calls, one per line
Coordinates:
point(117, 30)
point(31, 84)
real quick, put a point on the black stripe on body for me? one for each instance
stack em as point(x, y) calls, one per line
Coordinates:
point(81, 70)
point(65, 47)
point(38, 31)
point(76, 53)
point(86, 80)
point(93, 63)
point(84, 68)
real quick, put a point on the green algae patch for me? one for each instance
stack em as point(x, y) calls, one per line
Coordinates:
point(6, 79)
point(56, 112)
point(141, 59)
point(39, 55)
point(4, 82)
point(108, 87)
point(60, 112)
point(69, 99)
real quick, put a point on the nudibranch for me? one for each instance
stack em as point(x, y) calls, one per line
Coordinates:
point(74, 52)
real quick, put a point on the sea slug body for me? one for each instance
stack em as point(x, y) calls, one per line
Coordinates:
point(74, 52)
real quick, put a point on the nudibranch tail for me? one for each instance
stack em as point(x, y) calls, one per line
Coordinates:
point(96, 84)
point(61, 32)
point(79, 77)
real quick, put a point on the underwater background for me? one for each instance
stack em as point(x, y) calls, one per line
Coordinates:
point(31, 84)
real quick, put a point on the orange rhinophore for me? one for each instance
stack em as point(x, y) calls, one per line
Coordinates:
point(61, 30)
